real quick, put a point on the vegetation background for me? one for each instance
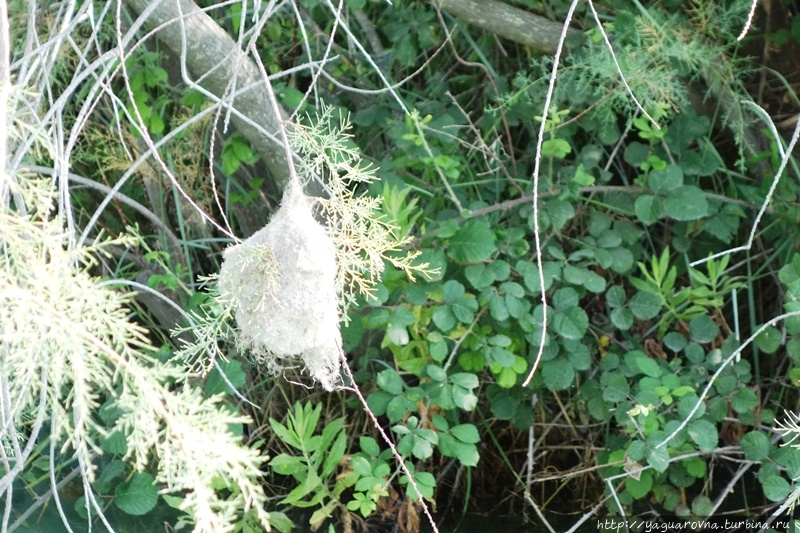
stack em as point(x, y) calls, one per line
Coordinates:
point(604, 320)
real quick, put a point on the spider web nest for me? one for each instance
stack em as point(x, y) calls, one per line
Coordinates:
point(290, 284)
point(281, 283)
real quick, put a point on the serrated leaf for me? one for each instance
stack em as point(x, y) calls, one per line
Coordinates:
point(466, 433)
point(479, 276)
point(704, 434)
point(648, 208)
point(558, 374)
point(662, 181)
point(616, 389)
point(744, 400)
point(686, 203)
point(571, 324)
point(115, 443)
point(776, 489)
point(138, 496)
point(369, 446)
point(108, 474)
point(703, 330)
point(769, 340)
point(658, 458)
point(645, 305)
point(755, 446)
point(472, 243)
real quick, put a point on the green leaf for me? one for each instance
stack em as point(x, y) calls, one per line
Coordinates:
point(115, 443)
point(378, 401)
point(675, 341)
point(287, 465)
point(696, 467)
point(334, 454)
point(658, 458)
point(571, 324)
point(704, 434)
point(398, 407)
point(369, 446)
point(616, 389)
point(464, 398)
point(310, 483)
point(645, 305)
point(232, 369)
point(648, 367)
point(479, 276)
point(622, 318)
point(702, 505)
point(703, 330)
point(137, 496)
point(686, 203)
point(465, 380)
point(558, 374)
point(648, 209)
point(638, 489)
point(436, 373)
point(444, 318)
point(559, 211)
point(769, 340)
point(662, 181)
point(556, 148)
point(390, 381)
point(744, 400)
point(755, 446)
point(109, 473)
point(591, 281)
point(776, 489)
point(565, 298)
point(466, 433)
point(453, 291)
point(615, 296)
point(578, 354)
point(472, 243)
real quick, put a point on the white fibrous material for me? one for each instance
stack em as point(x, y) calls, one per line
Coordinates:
point(281, 283)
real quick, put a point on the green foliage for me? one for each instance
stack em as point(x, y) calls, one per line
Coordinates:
point(644, 365)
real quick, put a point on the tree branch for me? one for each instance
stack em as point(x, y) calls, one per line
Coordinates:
point(507, 21)
point(219, 65)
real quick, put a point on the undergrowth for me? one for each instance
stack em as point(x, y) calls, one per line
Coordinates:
point(667, 203)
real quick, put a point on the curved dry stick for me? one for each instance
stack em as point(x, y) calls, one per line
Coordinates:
point(785, 155)
point(536, 167)
point(386, 439)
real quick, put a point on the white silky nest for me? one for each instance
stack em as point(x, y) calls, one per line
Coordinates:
point(281, 282)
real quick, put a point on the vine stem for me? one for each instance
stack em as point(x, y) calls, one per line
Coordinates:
point(536, 167)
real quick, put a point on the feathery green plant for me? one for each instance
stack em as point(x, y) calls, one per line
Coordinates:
point(67, 345)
